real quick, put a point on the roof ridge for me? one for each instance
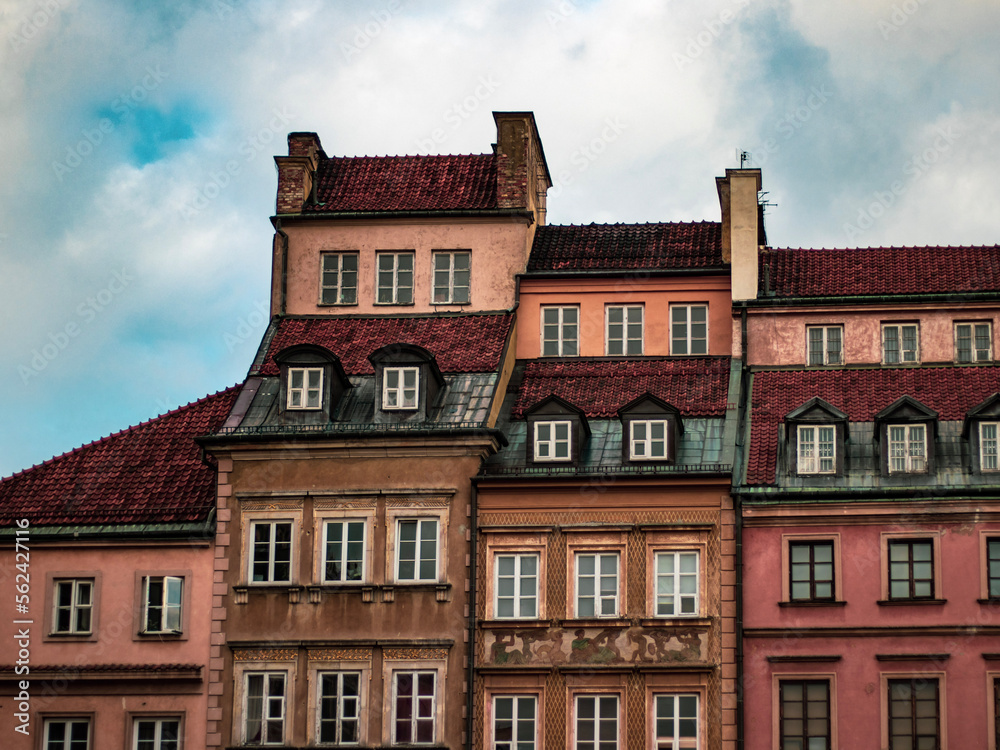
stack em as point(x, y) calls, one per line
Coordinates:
point(410, 156)
point(628, 224)
point(119, 433)
point(881, 247)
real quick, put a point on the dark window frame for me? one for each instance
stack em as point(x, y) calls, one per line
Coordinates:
point(805, 735)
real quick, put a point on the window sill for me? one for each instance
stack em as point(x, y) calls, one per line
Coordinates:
point(514, 622)
point(336, 304)
point(816, 603)
point(166, 635)
point(242, 593)
point(71, 637)
point(908, 602)
point(393, 304)
point(676, 622)
point(992, 602)
point(594, 622)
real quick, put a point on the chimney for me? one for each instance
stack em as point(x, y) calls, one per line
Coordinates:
point(297, 171)
point(742, 228)
point(522, 174)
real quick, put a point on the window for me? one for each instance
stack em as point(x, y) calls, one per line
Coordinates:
point(825, 345)
point(264, 715)
point(973, 342)
point(271, 555)
point(988, 446)
point(417, 542)
point(993, 568)
point(395, 279)
point(914, 714)
point(900, 344)
point(676, 584)
point(344, 551)
point(907, 449)
point(451, 278)
point(399, 387)
point(597, 722)
point(560, 331)
point(67, 734)
point(597, 585)
point(414, 708)
point(810, 568)
point(552, 441)
point(676, 722)
point(339, 708)
point(804, 718)
point(305, 388)
point(161, 597)
point(817, 449)
point(911, 569)
point(514, 722)
point(688, 329)
point(73, 607)
point(624, 329)
point(517, 586)
point(156, 734)
point(339, 285)
point(648, 439)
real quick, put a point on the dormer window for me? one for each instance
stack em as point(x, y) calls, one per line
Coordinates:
point(648, 439)
point(305, 388)
point(816, 434)
point(982, 430)
point(399, 387)
point(817, 449)
point(988, 446)
point(650, 430)
point(905, 430)
point(552, 441)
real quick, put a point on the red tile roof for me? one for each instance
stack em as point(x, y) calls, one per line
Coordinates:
point(148, 474)
point(879, 271)
point(696, 386)
point(861, 394)
point(460, 343)
point(406, 183)
point(614, 247)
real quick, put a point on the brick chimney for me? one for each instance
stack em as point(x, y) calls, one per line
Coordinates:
point(742, 228)
point(522, 174)
point(297, 171)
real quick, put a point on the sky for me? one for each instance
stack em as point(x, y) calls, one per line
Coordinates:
point(137, 143)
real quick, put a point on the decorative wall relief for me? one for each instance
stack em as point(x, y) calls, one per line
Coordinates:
point(556, 646)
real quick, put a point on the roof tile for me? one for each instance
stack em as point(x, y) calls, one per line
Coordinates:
point(878, 271)
point(861, 394)
point(612, 247)
point(406, 183)
point(696, 386)
point(149, 473)
point(460, 343)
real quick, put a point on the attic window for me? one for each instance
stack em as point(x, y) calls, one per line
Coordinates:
point(552, 440)
point(817, 449)
point(399, 387)
point(907, 448)
point(648, 439)
point(816, 434)
point(906, 430)
point(305, 388)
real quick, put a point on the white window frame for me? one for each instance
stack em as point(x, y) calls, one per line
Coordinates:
point(825, 340)
point(75, 608)
point(399, 293)
point(515, 722)
point(400, 396)
point(989, 447)
point(676, 741)
point(599, 597)
point(976, 354)
point(68, 723)
point(271, 558)
point(913, 463)
point(688, 339)
point(629, 312)
point(339, 289)
point(565, 345)
point(549, 446)
point(914, 354)
point(158, 723)
point(596, 721)
point(415, 699)
point(450, 288)
point(269, 700)
point(171, 607)
point(809, 458)
point(342, 701)
point(517, 598)
point(308, 395)
point(345, 524)
point(641, 448)
point(677, 597)
point(420, 522)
